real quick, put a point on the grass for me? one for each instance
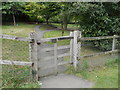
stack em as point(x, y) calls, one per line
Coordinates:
point(16, 76)
point(103, 77)
point(57, 33)
point(22, 30)
point(45, 27)
point(72, 26)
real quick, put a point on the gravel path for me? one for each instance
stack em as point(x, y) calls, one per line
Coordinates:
point(65, 81)
point(61, 80)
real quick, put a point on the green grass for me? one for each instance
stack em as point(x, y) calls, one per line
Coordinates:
point(72, 26)
point(103, 77)
point(45, 27)
point(57, 33)
point(22, 30)
point(16, 76)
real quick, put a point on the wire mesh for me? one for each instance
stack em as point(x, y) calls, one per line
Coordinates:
point(14, 76)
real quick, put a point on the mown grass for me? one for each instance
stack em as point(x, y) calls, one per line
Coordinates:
point(21, 30)
point(102, 77)
point(71, 26)
point(57, 33)
point(16, 76)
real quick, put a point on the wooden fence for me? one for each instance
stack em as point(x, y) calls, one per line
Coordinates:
point(75, 50)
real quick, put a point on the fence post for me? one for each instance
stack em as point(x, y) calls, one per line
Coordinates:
point(75, 51)
point(113, 43)
point(55, 56)
point(33, 56)
point(71, 48)
point(79, 43)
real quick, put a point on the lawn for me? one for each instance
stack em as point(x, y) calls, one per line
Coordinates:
point(21, 30)
point(102, 77)
point(58, 33)
point(16, 76)
point(71, 26)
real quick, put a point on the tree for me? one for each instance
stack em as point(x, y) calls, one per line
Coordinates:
point(98, 19)
point(13, 8)
point(65, 14)
point(33, 10)
point(50, 10)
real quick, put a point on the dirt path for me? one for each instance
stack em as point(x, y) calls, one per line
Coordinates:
point(61, 80)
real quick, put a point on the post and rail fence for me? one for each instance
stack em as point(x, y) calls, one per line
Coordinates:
point(75, 50)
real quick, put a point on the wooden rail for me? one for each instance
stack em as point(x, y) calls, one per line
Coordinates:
point(58, 48)
point(7, 62)
point(97, 54)
point(15, 38)
point(97, 38)
point(55, 39)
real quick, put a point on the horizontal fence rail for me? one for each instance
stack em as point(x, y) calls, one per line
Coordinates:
point(97, 54)
point(98, 38)
point(15, 38)
point(55, 39)
point(58, 48)
point(7, 62)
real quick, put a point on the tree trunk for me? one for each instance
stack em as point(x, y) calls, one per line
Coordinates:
point(65, 23)
point(14, 20)
point(61, 25)
point(47, 21)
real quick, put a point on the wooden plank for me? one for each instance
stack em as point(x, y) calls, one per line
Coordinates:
point(47, 49)
point(75, 51)
point(114, 43)
point(47, 58)
point(63, 47)
point(8, 62)
point(55, 38)
point(97, 54)
point(33, 56)
point(63, 55)
point(71, 47)
point(55, 57)
point(98, 38)
point(51, 48)
point(63, 63)
point(15, 38)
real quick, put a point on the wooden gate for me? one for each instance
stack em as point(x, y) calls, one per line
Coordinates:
point(51, 59)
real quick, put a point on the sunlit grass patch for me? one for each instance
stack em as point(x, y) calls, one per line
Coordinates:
point(57, 33)
point(21, 30)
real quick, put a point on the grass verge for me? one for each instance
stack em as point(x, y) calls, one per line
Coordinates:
point(103, 77)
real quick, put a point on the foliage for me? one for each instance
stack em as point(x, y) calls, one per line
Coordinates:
point(93, 18)
point(96, 19)
point(32, 9)
point(13, 8)
point(50, 10)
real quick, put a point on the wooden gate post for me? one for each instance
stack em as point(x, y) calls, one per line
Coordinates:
point(71, 47)
point(79, 43)
point(113, 44)
point(75, 51)
point(55, 57)
point(33, 56)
